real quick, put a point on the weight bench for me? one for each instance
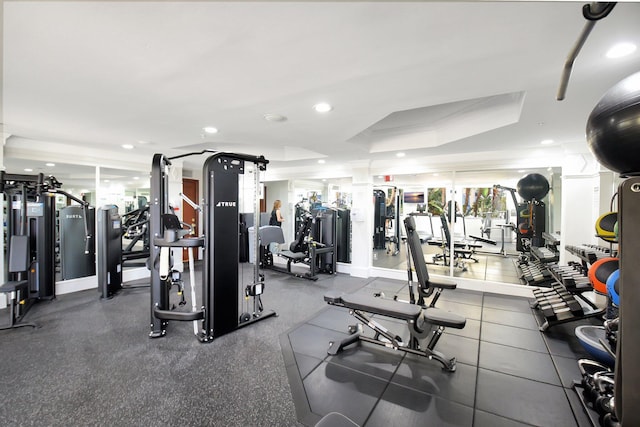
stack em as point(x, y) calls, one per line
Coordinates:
point(17, 290)
point(483, 240)
point(419, 323)
point(462, 250)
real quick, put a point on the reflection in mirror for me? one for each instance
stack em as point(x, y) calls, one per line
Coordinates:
point(128, 190)
point(472, 224)
point(314, 197)
point(77, 184)
point(60, 226)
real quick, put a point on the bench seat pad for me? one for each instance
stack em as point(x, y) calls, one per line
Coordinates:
point(375, 305)
point(293, 255)
point(444, 318)
point(14, 285)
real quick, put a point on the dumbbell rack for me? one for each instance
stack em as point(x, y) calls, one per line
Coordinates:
point(548, 252)
point(589, 254)
point(565, 301)
point(532, 272)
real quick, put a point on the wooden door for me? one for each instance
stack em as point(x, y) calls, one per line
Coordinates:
point(189, 214)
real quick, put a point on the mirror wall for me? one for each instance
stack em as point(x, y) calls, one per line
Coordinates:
point(485, 216)
point(99, 186)
point(482, 231)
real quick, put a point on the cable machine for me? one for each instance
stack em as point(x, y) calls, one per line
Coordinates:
point(31, 217)
point(219, 312)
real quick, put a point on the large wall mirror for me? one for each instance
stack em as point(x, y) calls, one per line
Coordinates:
point(98, 186)
point(485, 214)
point(467, 221)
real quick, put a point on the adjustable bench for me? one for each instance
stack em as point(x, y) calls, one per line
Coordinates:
point(418, 321)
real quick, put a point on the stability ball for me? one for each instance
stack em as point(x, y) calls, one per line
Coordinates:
point(606, 227)
point(600, 271)
point(613, 127)
point(612, 287)
point(533, 186)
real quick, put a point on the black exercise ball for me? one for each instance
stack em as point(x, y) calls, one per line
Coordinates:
point(613, 127)
point(533, 186)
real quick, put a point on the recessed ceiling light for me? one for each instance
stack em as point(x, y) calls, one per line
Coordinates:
point(520, 170)
point(127, 146)
point(621, 49)
point(136, 177)
point(321, 161)
point(322, 107)
point(546, 141)
point(143, 142)
point(210, 129)
point(28, 170)
point(50, 164)
point(274, 117)
point(400, 154)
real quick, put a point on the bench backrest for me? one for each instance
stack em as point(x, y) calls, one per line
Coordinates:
point(417, 256)
point(445, 228)
point(270, 234)
point(18, 254)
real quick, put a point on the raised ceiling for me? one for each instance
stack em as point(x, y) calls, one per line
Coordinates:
point(455, 85)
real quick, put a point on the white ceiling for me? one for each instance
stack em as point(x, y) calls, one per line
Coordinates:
point(456, 86)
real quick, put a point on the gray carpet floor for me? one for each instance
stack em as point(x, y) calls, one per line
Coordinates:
point(91, 362)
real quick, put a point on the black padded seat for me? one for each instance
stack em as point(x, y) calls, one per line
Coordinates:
point(389, 308)
point(444, 284)
point(15, 286)
point(293, 255)
point(444, 318)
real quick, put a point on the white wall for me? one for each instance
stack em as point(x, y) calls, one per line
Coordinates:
point(580, 203)
point(362, 221)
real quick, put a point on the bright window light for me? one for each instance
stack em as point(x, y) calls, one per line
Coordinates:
point(621, 49)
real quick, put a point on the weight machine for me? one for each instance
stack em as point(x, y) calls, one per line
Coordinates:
point(31, 234)
point(221, 293)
